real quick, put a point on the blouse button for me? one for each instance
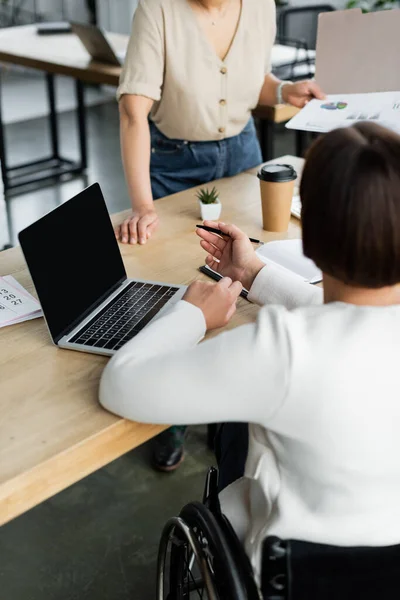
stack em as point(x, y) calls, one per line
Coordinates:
point(222, 102)
point(223, 70)
point(221, 130)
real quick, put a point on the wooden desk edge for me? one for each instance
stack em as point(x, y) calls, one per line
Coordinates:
point(24, 492)
point(92, 73)
point(280, 113)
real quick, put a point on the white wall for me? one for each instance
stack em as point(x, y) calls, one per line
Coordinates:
point(73, 9)
point(116, 15)
point(338, 4)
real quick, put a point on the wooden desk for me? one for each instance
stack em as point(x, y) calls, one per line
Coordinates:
point(60, 54)
point(281, 113)
point(52, 430)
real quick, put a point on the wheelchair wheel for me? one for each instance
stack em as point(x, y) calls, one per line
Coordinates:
point(182, 571)
point(195, 561)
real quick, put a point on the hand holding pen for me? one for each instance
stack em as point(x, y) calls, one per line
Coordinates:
point(219, 232)
point(230, 252)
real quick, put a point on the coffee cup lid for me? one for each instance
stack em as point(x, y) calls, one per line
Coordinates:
point(277, 173)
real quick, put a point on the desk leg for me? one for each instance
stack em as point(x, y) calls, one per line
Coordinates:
point(301, 143)
point(53, 115)
point(3, 156)
point(53, 166)
point(267, 139)
point(81, 123)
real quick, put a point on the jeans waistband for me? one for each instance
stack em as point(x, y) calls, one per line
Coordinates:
point(249, 128)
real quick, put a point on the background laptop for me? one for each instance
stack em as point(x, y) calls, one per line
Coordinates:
point(80, 279)
point(97, 44)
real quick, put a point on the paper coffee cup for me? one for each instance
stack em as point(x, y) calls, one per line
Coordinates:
point(277, 186)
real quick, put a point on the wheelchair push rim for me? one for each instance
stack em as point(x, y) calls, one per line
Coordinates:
point(181, 547)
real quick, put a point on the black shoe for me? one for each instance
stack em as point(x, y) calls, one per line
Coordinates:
point(168, 450)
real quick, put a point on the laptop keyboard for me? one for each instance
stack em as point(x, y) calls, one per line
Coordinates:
point(121, 320)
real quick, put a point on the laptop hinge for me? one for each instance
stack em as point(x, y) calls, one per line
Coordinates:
point(91, 308)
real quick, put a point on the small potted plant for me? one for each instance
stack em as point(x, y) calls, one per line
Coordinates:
point(210, 205)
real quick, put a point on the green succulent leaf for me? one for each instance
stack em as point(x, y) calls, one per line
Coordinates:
point(207, 196)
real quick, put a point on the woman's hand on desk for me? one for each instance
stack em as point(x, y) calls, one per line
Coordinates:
point(298, 94)
point(217, 301)
point(138, 228)
point(232, 256)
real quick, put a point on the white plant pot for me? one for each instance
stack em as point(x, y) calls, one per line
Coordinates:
point(210, 212)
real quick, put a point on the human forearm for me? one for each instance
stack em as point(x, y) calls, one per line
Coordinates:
point(135, 150)
point(161, 376)
point(297, 94)
point(269, 91)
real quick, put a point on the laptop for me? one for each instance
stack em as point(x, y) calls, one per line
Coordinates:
point(97, 44)
point(74, 260)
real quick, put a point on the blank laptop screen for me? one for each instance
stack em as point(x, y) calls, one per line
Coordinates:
point(73, 258)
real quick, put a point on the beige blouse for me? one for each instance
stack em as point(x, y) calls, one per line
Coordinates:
point(198, 96)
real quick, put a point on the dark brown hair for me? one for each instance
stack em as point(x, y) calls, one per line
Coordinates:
point(350, 192)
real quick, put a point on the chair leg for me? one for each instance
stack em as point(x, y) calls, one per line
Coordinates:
point(301, 143)
point(267, 139)
point(211, 433)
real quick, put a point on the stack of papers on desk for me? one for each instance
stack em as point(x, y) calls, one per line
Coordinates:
point(288, 254)
point(346, 109)
point(296, 206)
point(16, 304)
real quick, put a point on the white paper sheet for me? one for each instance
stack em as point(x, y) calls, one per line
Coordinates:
point(288, 254)
point(296, 206)
point(16, 304)
point(346, 109)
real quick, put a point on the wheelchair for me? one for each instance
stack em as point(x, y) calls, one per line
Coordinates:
point(200, 556)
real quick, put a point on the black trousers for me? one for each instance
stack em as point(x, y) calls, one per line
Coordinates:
point(231, 446)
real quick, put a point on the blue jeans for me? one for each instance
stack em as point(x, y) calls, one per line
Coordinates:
point(177, 165)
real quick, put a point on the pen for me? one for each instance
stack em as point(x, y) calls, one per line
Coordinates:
point(219, 232)
point(216, 276)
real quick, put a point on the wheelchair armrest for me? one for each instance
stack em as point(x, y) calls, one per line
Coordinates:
point(210, 494)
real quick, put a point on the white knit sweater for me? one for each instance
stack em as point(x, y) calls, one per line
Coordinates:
point(319, 384)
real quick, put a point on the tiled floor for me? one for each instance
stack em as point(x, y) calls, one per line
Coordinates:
point(98, 539)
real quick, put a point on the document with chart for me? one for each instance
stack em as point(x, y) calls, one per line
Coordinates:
point(346, 109)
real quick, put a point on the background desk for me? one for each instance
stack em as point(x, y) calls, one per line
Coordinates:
point(64, 55)
point(55, 55)
point(52, 430)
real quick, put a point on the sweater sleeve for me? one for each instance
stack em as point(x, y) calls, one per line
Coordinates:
point(162, 376)
point(274, 285)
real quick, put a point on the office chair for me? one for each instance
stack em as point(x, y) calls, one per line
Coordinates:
point(200, 556)
point(301, 23)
